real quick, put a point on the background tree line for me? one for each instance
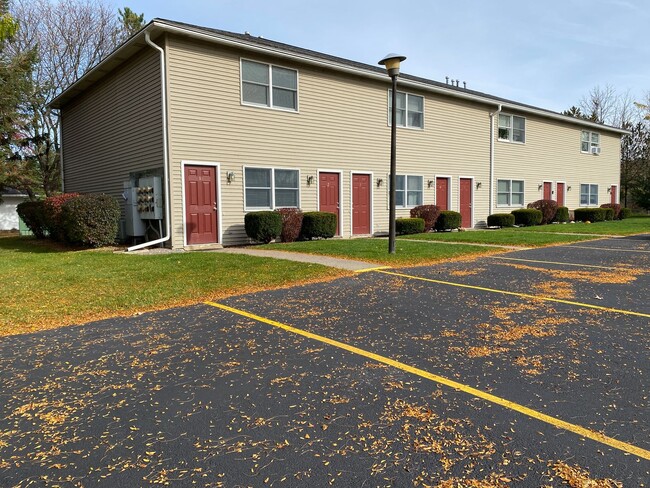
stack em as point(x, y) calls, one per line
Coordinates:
point(44, 47)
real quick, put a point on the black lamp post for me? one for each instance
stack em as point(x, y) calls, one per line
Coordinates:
point(392, 62)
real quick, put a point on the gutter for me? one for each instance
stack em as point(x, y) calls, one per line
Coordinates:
point(163, 85)
point(491, 184)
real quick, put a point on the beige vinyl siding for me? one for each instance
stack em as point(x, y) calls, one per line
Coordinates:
point(341, 125)
point(552, 153)
point(114, 128)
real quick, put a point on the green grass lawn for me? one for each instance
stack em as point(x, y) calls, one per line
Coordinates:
point(633, 225)
point(376, 250)
point(43, 286)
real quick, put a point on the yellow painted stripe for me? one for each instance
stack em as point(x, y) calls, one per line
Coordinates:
point(516, 294)
point(560, 424)
point(555, 262)
point(612, 249)
point(366, 270)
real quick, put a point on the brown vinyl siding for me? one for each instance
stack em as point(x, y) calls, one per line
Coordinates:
point(114, 128)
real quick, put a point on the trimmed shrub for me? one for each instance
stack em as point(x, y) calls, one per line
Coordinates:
point(33, 214)
point(291, 224)
point(501, 220)
point(448, 220)
point(91, 219)
point(428, 213)
point(318, 224)
point(52, 207)
point(591, 214)
point(609, 214)
point(626, 213)
point(616, 209)
point(527, 216)
point(562, 214)
point(548, 209)
point(263, 226)
point(409, 226)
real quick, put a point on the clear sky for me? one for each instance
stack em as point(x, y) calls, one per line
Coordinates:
point(547, 53)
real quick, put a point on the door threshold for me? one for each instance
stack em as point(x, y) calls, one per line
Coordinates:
point(203, 247)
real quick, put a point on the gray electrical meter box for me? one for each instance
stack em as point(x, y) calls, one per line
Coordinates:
point(150, 198)
point(135, 226)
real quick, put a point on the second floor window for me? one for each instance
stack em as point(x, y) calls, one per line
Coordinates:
point(512, 128)
point(269, 86)
point(590, 142)
point(410, 110)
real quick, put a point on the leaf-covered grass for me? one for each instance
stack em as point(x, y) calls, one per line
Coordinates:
point(633, 225)
point(541, 235)
point(44, 286)
point(376, 250)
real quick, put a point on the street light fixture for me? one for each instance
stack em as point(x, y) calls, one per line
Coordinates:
point(391, 62)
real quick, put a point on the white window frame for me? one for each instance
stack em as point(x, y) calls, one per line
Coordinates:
point(590, 141)
point(510, 193)
point(406, 110)
point(405, 190)
point(270, 67)
point(272, 188)
point(510, 128)
point(589, 194)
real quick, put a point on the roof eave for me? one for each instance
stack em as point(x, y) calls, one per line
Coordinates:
point(155, 26)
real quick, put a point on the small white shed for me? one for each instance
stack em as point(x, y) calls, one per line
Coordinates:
point(8, 216)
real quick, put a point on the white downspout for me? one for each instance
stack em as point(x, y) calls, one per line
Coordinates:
point(163, 84)
point(491, 184)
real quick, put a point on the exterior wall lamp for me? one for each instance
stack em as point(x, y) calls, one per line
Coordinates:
point(380, 181)
point(429, 183)
point(539, 187)
point(478, 185)
point(392, 62)
point(230, 176)
point(568, 188)
point(310, 180)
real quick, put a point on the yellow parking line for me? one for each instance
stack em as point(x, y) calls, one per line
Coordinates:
point(554, 262)
point(516, 294)
point(366, 270)
point(560, 424)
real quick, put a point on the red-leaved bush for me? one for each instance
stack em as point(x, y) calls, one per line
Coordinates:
point(291, 223)
point(52, 209)
point(429, 213)
point(548, 209)
point(614, 206)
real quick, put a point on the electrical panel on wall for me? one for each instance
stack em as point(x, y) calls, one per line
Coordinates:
point(150, 198)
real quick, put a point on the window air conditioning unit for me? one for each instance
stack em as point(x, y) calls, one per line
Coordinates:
point(595, 150)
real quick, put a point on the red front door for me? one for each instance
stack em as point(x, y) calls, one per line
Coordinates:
point(200, 204)
point(614, 189)
point(560, 194)
point(442, 193)
point(360, 204)
point(465, 202)
point(548, 190)
point(328, 196)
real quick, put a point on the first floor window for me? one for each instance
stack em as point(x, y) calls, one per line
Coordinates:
point(271, 188)
point(589, 140)
point(410, 110)
point(408, 191)
point(512, 128)
point(588, 194)
point(268, 85)
point(510, 193)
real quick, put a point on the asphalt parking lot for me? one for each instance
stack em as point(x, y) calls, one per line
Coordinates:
point(528, 368)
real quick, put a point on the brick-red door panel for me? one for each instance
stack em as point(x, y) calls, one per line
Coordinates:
point(328, 196)
point(548, 190)
point(465, 202)
point(560, 194)
point(201, 204)
point(442, 193)
point(614, 190)
point(361, 204)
